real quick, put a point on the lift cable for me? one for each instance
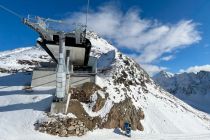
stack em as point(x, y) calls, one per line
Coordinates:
point(11, 12)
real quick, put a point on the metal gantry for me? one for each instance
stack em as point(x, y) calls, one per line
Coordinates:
point(69, 50)
point(74, 49)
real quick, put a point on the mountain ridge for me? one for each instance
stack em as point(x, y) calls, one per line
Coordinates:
point(192, 88)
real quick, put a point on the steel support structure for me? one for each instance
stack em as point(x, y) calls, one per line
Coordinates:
point(61, 70)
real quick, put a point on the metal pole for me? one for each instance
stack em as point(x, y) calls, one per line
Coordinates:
point(61, 70)
point(67, 71)
point(88, 2)
point(68, 79)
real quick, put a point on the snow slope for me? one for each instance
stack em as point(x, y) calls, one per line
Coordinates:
point(166, 117)
point(193, 88)
point(22, 59)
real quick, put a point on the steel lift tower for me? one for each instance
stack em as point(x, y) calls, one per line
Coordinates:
point(70, 51)
point(73, 52)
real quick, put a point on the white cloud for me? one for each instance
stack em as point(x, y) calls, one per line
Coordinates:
point(176, 37)
point(149, 38)
point(196, 69)
point(167, 58)
point(152, 69)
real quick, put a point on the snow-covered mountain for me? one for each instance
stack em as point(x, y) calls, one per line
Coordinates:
point(193, 88)
point(166, 117)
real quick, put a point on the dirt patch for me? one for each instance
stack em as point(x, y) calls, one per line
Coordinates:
point(83, 93)
point(75, 107)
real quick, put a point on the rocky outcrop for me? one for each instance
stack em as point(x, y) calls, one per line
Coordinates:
point(28, 62)
point(62, 126)
point(122, 112)
point(118, 115)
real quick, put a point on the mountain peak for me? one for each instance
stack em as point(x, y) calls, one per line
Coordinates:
point(163, 74)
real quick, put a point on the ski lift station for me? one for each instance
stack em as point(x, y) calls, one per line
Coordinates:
point(71, 64)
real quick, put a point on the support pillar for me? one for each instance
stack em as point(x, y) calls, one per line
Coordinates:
point(61, 70)
point(67, 71)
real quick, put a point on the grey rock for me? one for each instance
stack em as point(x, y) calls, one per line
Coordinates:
point(71, 128)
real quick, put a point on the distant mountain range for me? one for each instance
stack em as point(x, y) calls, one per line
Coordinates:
point(193, 88)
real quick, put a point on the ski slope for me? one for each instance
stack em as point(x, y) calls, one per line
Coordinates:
point(20, 109)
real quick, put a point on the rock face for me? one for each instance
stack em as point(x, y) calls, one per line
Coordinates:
point(119, 113)
point(28, 62)
point(96, 97)
point(122, 112)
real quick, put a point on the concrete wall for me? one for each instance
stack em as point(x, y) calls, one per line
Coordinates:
point(76, 81)
point(43, 78)
point(93, 62)
point(47, 78)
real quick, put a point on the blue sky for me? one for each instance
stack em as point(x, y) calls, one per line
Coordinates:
point(189, 16)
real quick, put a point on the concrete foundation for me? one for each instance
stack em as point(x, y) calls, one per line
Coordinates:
point(44, 78)
point(47, 78)
point(58, 107)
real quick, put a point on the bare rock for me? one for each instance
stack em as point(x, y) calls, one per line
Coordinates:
point(62, 133)
point(124, 111)
point(99, 104)
point(42, 129)
point(71, 128)
point(77, 131)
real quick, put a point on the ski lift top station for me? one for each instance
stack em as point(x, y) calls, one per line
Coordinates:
point(70, 51)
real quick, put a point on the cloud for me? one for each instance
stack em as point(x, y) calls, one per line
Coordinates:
point(150, 39)
point(167, 58)
point(176, 37)
point(152, 69)
point(196, 69)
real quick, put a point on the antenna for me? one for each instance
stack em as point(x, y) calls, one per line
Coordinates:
point(10, 11)
point(87, 14)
